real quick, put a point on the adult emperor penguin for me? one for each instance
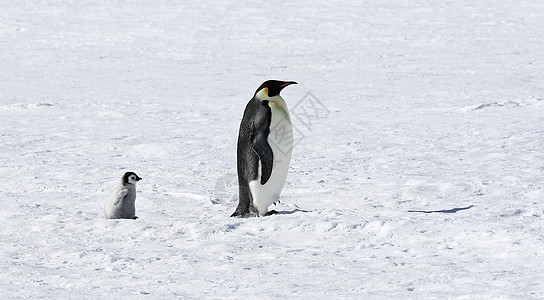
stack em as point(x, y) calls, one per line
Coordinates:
point(120, 204)
point(265, 143)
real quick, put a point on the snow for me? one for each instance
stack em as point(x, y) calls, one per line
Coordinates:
point(416, 172)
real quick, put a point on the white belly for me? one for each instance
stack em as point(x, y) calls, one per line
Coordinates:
point(280, 140)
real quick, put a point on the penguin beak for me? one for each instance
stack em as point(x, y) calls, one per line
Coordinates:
point(287, 83)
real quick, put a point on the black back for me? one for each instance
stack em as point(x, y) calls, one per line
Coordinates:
point(252, 147)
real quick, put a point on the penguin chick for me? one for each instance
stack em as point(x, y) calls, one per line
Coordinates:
point(120, 204)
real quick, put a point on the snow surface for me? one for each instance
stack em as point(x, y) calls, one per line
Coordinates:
point(417, 170)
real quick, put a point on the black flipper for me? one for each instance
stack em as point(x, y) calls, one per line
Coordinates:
point(260, 130)
point(266, 156)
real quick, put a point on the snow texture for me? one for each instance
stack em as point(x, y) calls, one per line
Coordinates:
point(417, 170)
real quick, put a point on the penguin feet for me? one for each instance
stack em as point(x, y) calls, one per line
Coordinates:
point(243, 209)
point(238, 214)
point(272, 212)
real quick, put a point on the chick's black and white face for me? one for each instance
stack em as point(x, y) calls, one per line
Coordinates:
point(133, 179)
point(130, 177)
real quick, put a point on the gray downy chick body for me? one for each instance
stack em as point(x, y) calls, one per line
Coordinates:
point(121, 203)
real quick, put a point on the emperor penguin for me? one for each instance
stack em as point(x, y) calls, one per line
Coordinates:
point(265, 143)
point(120, 204)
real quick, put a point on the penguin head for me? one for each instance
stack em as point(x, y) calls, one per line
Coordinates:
point(271, 88)
point(131, 177)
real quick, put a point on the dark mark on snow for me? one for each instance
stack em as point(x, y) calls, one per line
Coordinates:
point(444, 211)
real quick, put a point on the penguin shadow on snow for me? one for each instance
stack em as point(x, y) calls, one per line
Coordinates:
point(290, 212)
point(286, 212)
point(275, 212)
point(444, 211)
